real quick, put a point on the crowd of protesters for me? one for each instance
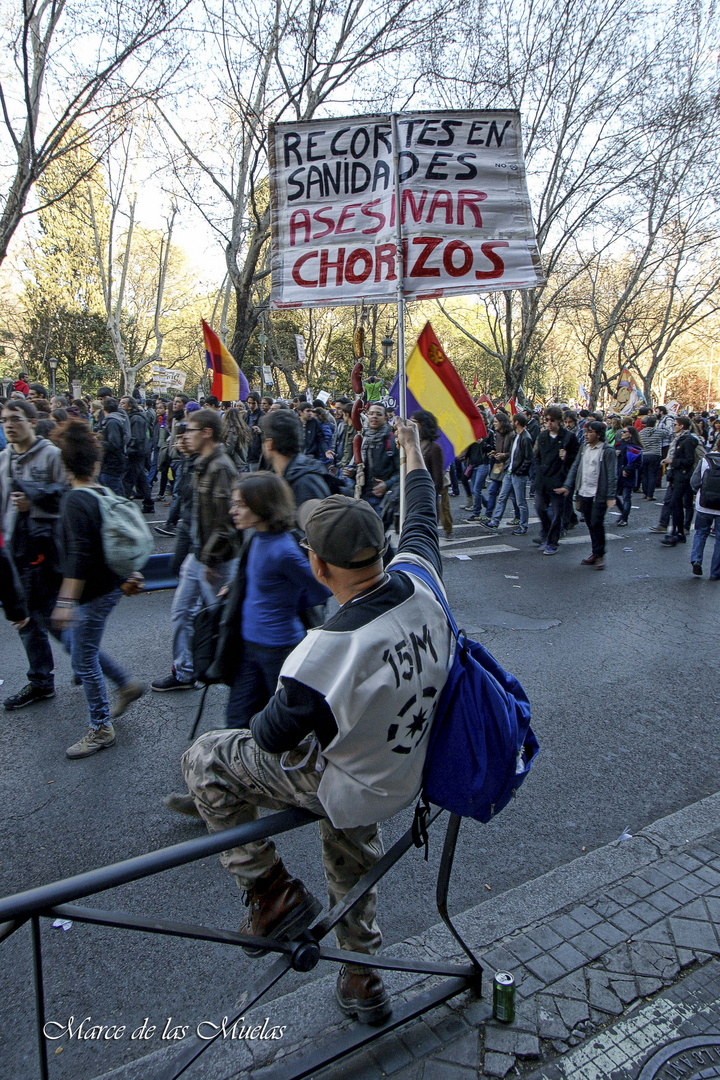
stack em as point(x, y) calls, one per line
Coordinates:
point(235, 475)
point(274, 507)
point(191, 453)
point(594, 463)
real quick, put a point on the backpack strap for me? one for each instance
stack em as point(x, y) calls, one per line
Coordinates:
point(419, 571)
point(97, 489)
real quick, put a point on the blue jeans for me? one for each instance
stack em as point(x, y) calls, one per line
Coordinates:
point(703, 525)
point(493, 492)
point(193, 591)
point(256, 682)
point(152, 471)
point(115, 483)
point(624, 498)
point(85, 635)
point(515, 486)
point(479, 477)
point(35, 636)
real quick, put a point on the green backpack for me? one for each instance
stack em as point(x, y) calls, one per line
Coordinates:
point(126, 538)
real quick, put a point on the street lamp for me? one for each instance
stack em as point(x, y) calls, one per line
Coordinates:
point(53, 368)
point(387, 344)
point(333, 377)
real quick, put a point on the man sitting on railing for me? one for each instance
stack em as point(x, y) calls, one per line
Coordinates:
point(346, 733)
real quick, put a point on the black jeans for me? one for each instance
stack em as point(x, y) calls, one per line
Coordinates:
point(570, 518)
point(550, 522)
point(136, 478)
point(650, 469)
point(163, 473)
point(678, 509)
point(255, 683)
point(595, 523)
point(688, 504)
point(36, 642)
point(667, 502)
point(183, 546)
point(457, 476)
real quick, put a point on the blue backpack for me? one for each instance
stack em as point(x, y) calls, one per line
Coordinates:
point(481, 745)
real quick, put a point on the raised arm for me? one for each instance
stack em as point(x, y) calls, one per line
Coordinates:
point(419, 533)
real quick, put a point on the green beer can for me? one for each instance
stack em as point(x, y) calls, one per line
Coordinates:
point(504, 997)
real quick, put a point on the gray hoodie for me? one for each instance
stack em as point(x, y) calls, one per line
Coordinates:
point(39, 473)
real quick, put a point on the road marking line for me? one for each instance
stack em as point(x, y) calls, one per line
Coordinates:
point(444, 543)
point(585, 539)
point(495, 550)
point(475, 524)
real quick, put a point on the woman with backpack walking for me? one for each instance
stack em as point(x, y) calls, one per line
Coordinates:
point(89, 590)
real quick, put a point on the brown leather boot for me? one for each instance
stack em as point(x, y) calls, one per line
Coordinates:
point(280, 906)
point(363, 995)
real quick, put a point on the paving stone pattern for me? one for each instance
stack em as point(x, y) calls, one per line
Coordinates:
point(586, 971)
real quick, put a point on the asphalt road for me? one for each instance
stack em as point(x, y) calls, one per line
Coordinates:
point(621, 669)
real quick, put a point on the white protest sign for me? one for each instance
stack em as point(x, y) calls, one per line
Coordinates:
point(300, 346)
point(465, 212)
point(323, 396)
point(164, 378)
point(177, 379)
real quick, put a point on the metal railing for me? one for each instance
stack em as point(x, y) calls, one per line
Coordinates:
point(56, 900)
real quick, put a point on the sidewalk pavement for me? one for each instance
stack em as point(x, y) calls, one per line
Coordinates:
point(614, 961)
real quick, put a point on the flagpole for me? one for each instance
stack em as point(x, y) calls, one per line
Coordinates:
point(400, 293)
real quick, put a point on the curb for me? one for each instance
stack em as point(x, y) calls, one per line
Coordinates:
point(482, 927)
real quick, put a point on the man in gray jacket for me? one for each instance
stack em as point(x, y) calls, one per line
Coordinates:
point(594, 477)
point(32, 481)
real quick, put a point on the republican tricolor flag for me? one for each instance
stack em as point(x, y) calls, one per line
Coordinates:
point(433, 384)
point(228, 382)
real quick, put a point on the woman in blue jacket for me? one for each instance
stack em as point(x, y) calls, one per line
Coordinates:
point(629, 465)
point(274, 586)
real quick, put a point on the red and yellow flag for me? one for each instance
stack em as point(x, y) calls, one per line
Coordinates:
point(436, 386)
point(229, 383)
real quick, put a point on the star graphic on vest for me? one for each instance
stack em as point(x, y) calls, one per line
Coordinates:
point(417, 723)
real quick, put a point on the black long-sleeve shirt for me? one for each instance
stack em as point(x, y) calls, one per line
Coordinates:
point(550, 468)
point(114, 438)
point(296, 710)
point(81, 548)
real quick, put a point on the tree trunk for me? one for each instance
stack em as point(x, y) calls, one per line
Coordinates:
point(14, 206)
point(247, 317)
point(596, 374)
point(647, 388)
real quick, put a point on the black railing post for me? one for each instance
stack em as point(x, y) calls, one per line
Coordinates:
point(39, 997)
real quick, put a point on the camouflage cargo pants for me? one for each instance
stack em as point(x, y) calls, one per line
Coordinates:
point(229, 777)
